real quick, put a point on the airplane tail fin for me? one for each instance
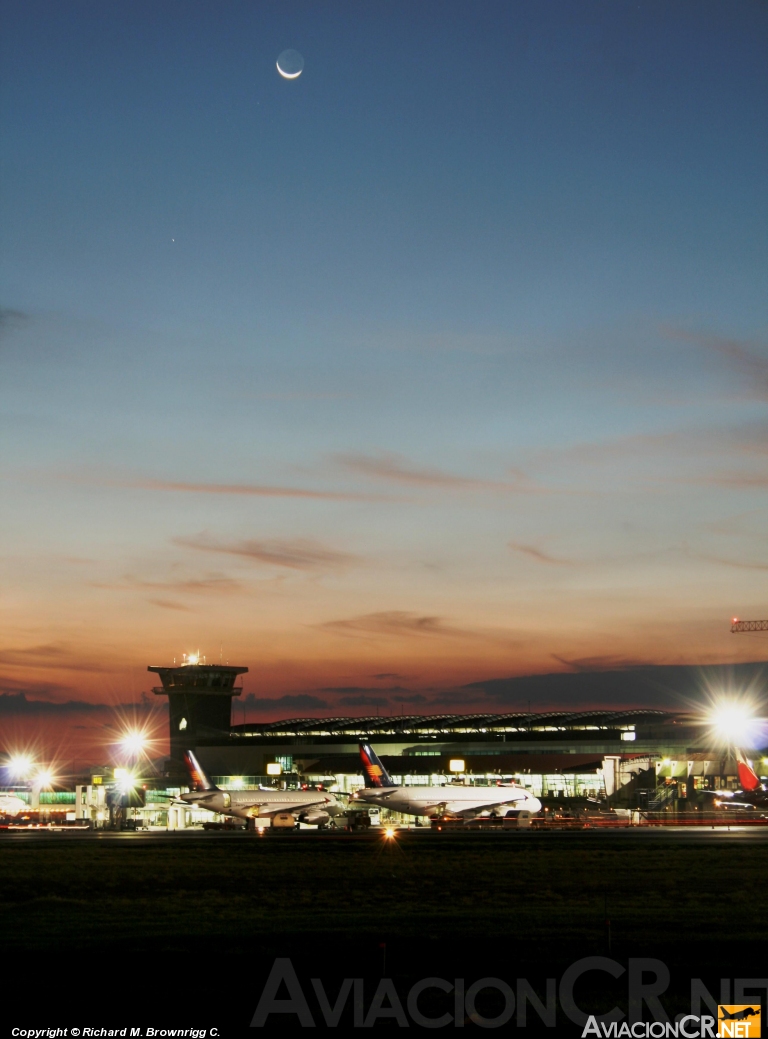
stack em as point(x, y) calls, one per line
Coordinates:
point(747, 775)
point(200, 779)
point(374, 772)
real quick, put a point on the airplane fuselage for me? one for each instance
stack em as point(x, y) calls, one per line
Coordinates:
point(250, 804)
point(449, 799)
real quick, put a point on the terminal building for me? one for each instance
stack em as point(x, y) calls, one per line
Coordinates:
point(643, 758)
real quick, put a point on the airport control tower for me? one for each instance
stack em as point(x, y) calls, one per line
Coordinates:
point(199, 701)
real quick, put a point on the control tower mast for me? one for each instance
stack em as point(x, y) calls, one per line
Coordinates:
point(199, 701)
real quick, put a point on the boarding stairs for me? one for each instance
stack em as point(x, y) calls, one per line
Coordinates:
point(664, 796)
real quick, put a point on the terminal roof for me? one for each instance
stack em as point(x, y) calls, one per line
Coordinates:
point(436, 723)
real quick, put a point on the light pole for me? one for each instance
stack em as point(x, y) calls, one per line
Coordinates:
point(134, 745)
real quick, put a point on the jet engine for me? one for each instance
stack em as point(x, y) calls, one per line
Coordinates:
point(315, 817)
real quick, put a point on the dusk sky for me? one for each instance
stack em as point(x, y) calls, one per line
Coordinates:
point(446, 361)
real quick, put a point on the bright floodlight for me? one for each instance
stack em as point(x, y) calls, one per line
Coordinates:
point(133, 742)
point(456, 764)
point(44, 778)
point(274, 768)
point(125, 779)
point(733, 723)
point(20, 766)
point(389, 833)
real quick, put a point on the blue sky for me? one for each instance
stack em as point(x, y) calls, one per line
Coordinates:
point(466, 324)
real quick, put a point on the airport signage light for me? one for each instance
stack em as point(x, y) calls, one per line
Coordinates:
point(274, 768)
point(456, 765)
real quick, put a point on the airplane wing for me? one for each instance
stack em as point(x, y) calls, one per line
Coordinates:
point(268, 807)
point(439, 805)
point(374, 795)
point(462, 808)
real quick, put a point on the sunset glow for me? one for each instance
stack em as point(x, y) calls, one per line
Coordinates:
point(389, 382)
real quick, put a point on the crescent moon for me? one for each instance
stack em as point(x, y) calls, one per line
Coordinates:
point(288, 75)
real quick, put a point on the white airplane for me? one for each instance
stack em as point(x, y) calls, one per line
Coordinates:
point(10, 804)
point(434, 801)
point(752, 794)
point(306, 806)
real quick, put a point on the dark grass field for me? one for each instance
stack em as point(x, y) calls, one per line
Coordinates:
point(508, 905)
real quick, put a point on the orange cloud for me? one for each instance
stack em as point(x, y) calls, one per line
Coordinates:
point(194, 586)
point(296, 554)
point(731, 562)
point(245, 489)
point(51, 655)
point(744, 356)
point(397, 469)
point(396, 622)
point(538, 555)
point(601, 663)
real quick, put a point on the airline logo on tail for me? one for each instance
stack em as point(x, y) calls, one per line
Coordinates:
point(200, 780)
point(374, 770)
point(747, 776)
